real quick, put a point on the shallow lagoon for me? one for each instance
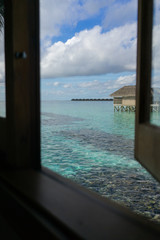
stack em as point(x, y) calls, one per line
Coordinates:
point(94, 146)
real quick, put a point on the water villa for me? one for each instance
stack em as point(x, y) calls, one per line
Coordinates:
point(124, 99)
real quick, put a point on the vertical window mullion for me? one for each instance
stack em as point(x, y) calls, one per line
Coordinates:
point(22, 83)
point(147, 136)
point(144, 56)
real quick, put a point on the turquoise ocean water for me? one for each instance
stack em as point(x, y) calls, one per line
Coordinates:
point(82, 135)
point(93, 145)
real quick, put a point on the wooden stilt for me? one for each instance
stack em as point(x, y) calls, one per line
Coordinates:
point(123, 108)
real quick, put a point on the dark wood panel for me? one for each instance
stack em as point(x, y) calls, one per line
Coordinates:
point(24, 222)
point(147, 137)
point(144, 56)
point(148, 152)
point(22, 83)
point(83, 213)
point(3, 134)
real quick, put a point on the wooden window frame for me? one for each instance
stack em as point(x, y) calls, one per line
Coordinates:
point(36, 201)
point(147, 136)
point(3, 137)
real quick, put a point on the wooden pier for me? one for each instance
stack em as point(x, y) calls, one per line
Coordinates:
point(155, 108)
point(122, 108)
point(92, 99)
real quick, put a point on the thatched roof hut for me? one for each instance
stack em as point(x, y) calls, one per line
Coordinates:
point(126, 91)
point(125, 96)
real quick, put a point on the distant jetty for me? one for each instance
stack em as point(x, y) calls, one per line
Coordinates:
point(91, 99)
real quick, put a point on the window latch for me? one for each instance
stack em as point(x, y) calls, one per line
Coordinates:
point(21, 55)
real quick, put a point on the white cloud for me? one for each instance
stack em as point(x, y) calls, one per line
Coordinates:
point(1, 74)
point(68, 85)
point(2, 70)
point(156, 56)
point(156, 12)
point(103, 86)
point(91, 7)
point(56, 13)
point(120, 13)
point(91, 87)
point(122, 81)
point(92, 84)
point(2, 64)
point(56, 84)
point(156, 48)
point(92, 52)
point(126, 80)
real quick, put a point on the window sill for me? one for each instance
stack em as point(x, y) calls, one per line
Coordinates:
point(65, 209)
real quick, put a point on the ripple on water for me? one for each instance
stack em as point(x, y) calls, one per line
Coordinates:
point(97, 151)
point(129, 187)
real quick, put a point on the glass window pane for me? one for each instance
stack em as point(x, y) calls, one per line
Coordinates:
point(2, 63)
point(155, 83)
point(88, 59)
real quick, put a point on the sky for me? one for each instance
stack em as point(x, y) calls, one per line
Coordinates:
point(88, 48)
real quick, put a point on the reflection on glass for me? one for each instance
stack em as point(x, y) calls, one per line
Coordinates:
point(88, 53)
point(155, 82)
point(2, 63)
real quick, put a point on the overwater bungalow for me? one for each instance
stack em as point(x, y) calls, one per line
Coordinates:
point(124, 99)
